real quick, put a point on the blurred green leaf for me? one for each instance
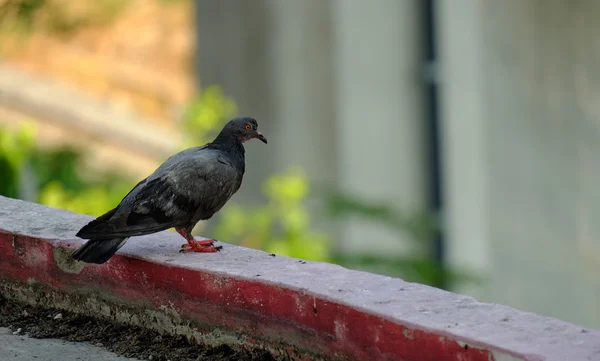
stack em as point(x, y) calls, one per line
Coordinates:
point(420, 224)
point(55, 16)
point(206, 115)
point(282, 226)
point(56, 175)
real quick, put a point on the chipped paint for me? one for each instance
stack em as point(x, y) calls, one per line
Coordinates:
point(340, 330)
point(64, 261)
point(407, 333)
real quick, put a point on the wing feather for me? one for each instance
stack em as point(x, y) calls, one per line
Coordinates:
point(179, 193)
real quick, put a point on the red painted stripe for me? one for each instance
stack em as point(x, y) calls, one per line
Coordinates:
point(267, 313)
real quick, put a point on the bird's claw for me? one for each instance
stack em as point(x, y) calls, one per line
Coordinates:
point(201, 249)
point(204, 243)
point(204, 246)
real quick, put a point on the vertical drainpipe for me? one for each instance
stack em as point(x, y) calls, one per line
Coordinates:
point(432, 121)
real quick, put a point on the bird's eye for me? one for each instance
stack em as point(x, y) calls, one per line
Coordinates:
point(247, 126)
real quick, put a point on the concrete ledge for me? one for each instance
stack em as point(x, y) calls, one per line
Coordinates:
point(248, 298)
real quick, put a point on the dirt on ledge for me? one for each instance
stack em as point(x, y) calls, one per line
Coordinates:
point(134, 342)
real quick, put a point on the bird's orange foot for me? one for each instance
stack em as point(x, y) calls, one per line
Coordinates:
point(204, 246)
point(202, 249)
point(204, 242)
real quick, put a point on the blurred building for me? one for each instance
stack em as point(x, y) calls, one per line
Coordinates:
point(347, 89)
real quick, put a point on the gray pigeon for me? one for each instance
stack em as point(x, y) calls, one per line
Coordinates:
point(190, 186)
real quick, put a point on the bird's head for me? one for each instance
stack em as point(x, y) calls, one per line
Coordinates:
point(243, 129)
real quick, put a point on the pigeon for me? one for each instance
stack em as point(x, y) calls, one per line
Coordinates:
point(188, 187)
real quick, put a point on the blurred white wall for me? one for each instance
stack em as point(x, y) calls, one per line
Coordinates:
point(521, 84)
point(542, 86)
point(465, 148)
point(379, 113)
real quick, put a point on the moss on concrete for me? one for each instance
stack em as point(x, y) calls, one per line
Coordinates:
point(165, 320)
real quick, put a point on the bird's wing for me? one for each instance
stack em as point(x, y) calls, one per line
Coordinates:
point(192, 182)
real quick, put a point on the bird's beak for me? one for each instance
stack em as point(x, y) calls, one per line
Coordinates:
point(261, 137)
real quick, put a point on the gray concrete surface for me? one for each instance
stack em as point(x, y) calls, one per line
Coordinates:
point(23, 348)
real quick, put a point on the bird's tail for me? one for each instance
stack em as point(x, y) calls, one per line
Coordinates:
point(99, 250)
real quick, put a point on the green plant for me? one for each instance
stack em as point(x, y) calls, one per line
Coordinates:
point(59, 17)
point(421, 225)
point(206, 115)
point(15, 150)
point(282, 226)
point(52, 177)
point(419, 266)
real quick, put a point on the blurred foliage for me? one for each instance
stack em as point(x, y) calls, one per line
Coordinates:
point(206, 115)
point(52, 177)
point(15, 151)
point(282, 226)
point(56, 16)
point(422, 227)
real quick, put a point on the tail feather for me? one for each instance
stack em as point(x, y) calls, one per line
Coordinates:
point(99, 250)
point(89, 229)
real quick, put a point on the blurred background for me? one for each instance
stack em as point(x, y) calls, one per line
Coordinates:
point(451, 143)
